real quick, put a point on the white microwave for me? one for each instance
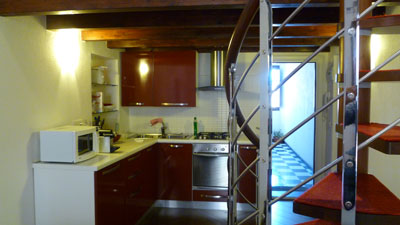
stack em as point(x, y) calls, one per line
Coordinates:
point(69, 144)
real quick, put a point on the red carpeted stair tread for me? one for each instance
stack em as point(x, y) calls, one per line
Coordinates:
point(372, 196)
point(319, 222)
point(373, 128)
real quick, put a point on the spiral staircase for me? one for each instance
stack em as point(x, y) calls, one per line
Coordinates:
point(350, 195)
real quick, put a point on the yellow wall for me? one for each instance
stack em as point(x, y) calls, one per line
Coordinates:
point(385, 106)
point(35, 94)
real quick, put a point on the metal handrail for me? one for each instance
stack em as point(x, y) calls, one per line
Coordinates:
point(289, 18)
point(306, 120)
point(249, 217)
point(255, 110)
point(247, 200)
point(336, 161)
point(245, 171)
point(245, 165)
point(245, 75)
point(316, 52)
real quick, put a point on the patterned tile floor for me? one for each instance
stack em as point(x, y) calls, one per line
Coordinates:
point(288, 169)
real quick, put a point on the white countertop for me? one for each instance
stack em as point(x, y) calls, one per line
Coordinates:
point(127, 147)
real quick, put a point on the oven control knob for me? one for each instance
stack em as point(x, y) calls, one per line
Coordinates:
point(222, 149)
point(215, 149)
point(208, 149)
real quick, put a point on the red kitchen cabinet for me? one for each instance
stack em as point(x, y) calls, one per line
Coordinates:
point(247, 185)
point(137, 78)
point(175, 172)
point(110, 195)
point(127, 189)
point(175, 78)
point(166, 78)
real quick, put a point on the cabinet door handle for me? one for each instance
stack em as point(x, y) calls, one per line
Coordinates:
point(174, 104)
point(134, 157)
point(213, 196)
point(134, 175)
point(249, 147)
point(132, 195)
point(111, 170)
point(137, 103)
point(149, 149)
point(176, 146)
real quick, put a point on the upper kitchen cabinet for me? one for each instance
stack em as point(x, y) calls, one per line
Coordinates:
point(137, 78)
point(175, 78)
point(159, 78)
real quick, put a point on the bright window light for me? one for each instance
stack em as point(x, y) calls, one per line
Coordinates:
point(275, 81)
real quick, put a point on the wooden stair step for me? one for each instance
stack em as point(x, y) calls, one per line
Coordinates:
point(319, 222)
point(382, 75)
point(375, 204)
point(380, 21)
point(378, 76)
point(388, 143)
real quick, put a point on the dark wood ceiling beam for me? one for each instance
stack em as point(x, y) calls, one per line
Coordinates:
point(212, 43)
point(185, 18)
point(29, 7)
point(199, 33)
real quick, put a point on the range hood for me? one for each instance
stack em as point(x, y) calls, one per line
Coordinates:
point(217, 72)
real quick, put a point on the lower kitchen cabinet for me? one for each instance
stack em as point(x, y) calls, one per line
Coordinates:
point(110, 195)
point(175, 172)
point(247, 185)
point(127, 189)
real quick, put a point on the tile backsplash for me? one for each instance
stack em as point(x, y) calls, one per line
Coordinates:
point(211, 112)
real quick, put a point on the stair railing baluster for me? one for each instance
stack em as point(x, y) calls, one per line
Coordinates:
point(335, 162)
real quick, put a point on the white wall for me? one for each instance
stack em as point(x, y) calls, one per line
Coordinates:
point(385, 106)
point(35, 94)
point(298, 102)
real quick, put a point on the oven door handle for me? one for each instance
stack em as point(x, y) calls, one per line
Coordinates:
point(211, 155)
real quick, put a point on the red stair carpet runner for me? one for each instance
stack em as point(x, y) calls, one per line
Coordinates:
point(375, 203)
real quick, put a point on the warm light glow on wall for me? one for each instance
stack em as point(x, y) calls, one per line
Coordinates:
point(67, 50)
point(376, 48)
point(143, 68)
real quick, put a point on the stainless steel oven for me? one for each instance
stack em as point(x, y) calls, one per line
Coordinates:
point(210, 166)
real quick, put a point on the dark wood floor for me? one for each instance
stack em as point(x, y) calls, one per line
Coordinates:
point(281, 215)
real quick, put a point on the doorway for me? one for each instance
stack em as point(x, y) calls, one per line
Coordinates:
point(293, 160)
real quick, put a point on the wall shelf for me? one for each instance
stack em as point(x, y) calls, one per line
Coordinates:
point(110, 111)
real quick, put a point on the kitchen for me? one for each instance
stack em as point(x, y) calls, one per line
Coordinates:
point(57, 95)
point(38, 92)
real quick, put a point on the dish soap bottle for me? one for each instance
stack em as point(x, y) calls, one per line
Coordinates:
point(195, 127)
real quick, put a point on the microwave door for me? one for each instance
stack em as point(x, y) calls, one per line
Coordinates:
point(85, 144)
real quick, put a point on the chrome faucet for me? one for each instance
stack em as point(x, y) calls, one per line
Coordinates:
point(163, 127)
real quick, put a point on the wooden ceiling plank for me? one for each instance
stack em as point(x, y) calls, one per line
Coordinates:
point(200, 33)
point(211, 43)
point(30, 7)
point(185, 18)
